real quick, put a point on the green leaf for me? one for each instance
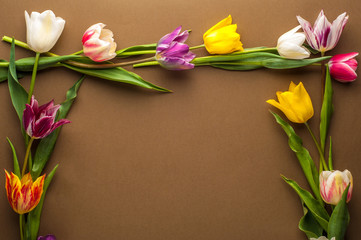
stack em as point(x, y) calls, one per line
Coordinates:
point(326, 110)
point(118, 75)
point(15, 160)
point(263, 59)
point(47, 145)
point(19, 96)
point(27, 64)
point(340, 218)
point(303, 156)
point(309, 225)
point(244, 66)
point(317, 210)
point(33, 220)
point(284, 63)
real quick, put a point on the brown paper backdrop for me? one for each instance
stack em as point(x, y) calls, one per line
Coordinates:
point(201, 163)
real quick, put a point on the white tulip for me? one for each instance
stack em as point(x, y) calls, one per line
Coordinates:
point(43, 30)
point(322, 238)
point(289, 45)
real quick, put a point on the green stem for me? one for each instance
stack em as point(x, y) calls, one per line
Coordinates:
point(136, 53)
point(17, 42)
point(32, 83)
point(21, 220)
point(152, 63)
point(252, 50)
point(78, 52)
point(104, 66)
point(196, 47)
point(322, 159)
point(27, 155)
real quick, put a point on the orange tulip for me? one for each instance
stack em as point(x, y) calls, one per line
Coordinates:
point(23, 195)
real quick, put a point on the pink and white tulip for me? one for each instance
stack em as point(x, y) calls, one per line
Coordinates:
point(323, 36)
point(98, 43)
point(333, 184)
point(322, 238)
point(343, 67)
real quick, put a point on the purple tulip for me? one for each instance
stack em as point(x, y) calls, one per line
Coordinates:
point(324, 35)
point(343, 67)
point(172, 53)
point(39, 121)
point(47, 237)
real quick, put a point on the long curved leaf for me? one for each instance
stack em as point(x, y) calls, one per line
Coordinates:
point(47, 145)
point(137, 50)
point(15, 160)
point(340, 218)
point(326, 110)
point(27, 64)
point(118, 75)
point(309, 225)
point(317, 210)
point(33, 223)
point(18, 94)
point(303, 156)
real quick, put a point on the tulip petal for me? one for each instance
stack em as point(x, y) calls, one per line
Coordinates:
point(344, 57)
point(59, 123)
point(343, 72)
point(28, 119)
point(336, 30)
point(223, 23)
point(42, 127)
point(168, 38)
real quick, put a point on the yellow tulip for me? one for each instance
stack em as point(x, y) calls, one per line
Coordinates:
point(222, 38)
point(295, 103)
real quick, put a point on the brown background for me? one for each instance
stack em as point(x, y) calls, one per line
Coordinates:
point(201, 163)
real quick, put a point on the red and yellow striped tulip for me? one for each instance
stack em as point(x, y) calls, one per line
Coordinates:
point(23, 195)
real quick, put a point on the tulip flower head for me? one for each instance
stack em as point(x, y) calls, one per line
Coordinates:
point(289, 45)
point(39, 120)
point(23, 195)
point(333, 184)
point(323, 36)
point(47, 237)
point(343, 67)
point(322, 238)
point(172, 53)
point(222, 38)
point(43, 30)
point(98, 43)
point(295, 103)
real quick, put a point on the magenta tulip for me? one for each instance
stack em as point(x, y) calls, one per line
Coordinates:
point(39, 120)
point(343, 67)
point(323, 36)
point(47, 237)
point(172, 53)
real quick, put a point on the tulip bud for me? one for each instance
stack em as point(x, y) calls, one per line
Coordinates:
point(295, 103)
point(172, 53)
point(343, 67)
point(333, 184)
point(98, 43)
point(39, 121)
point(322, 238)
point(43, 30)
point(289, 45)
point(222, 38)
point(23, 195)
